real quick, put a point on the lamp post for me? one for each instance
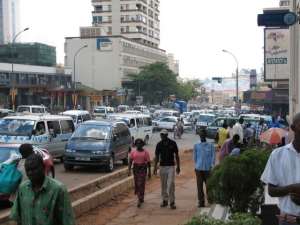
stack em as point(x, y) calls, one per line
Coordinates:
point(237, 74)
point(74, 71)
point(14, 91)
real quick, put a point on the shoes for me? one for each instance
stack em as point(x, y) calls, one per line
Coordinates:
point(172, 205)
point(139, 204)
point(164, 204)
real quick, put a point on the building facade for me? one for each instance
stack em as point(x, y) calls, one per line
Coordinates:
point(28, 53)
point(9, 20)
point(134, 19)
point(107, 61)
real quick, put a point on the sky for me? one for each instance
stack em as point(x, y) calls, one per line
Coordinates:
point(196, 31)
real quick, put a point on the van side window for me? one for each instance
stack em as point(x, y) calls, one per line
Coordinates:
point(40, 128)
point(67, 126)
point(132, 123)
point(54, 125)
point(140, 122)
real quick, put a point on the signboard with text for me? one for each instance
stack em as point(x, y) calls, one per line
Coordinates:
point(277, 54)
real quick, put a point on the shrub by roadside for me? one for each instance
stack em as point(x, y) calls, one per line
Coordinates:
point(236, 182)
point(236, 219)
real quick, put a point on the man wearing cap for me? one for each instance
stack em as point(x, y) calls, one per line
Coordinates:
point(166, 153)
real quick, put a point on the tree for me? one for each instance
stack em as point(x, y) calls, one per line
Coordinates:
point(187, 90)
point(155, 82)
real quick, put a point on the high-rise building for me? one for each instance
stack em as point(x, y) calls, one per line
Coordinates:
point(133, 19)
point(9, 20)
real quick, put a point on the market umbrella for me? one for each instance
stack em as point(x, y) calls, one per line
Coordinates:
point(273, 136)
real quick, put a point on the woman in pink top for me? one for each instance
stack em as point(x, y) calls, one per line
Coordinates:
point(140, 159)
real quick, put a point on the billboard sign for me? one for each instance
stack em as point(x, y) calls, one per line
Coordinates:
point(104, 44)
point(277, 54)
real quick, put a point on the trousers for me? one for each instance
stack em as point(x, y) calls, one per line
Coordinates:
point(167, 179)
point(202, 177)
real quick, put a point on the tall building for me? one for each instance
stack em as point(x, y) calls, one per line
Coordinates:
point(124, 37)
point(133, 19)
point(9, 20)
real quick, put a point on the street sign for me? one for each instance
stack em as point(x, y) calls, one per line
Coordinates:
point(277, 18)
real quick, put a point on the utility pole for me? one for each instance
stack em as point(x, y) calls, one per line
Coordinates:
point(294, 81)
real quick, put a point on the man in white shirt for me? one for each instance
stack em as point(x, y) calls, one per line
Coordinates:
point(282, 175)
point(238, 129)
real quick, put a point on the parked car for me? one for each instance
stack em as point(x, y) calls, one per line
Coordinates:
point(203, 121)
point(169, 123)
point(78, 116)
point(103, 111)
point(32, 109)
point(6, 150)
point(140, 125)
point(98, 143)
point(47, 131)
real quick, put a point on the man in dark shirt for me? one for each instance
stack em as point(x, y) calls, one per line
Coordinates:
point(166, 152)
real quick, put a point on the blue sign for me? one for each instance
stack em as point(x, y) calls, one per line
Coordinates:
point(277, 18)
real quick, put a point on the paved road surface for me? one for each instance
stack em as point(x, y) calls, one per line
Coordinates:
point(82, 175)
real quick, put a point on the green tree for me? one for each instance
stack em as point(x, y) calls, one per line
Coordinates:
point(187, 90)
point(155, 82)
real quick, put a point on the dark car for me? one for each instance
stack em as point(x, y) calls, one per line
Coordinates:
point(98, 143)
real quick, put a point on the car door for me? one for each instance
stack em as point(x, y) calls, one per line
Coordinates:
point(67, 129)
point(54, 145)
point(125, 140)
point(212, 130)
point(117, 143)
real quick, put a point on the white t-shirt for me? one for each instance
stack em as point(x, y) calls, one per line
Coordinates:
point(282, 169)
point(238, 129)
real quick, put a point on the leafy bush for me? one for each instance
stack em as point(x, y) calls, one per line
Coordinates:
point(236, 219)
point(236, 182)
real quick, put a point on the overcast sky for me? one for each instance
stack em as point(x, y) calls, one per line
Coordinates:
point(196, 31)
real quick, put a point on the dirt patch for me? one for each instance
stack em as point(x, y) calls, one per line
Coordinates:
point(104, 214)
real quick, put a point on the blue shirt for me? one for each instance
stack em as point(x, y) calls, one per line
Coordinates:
point(204, 156)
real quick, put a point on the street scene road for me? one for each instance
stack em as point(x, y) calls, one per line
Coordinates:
point(81, 175)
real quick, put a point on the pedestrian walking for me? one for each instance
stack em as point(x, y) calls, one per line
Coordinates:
point(222, 135)
point(140, 159)
point(259, 129)
point(282, 175)
point(229, 145)
point(165, 154)
point(238, 129)
point(41, 199)
point(204, 158)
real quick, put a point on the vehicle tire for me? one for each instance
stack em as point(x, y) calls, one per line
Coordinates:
point(51, 173)
point(111, 165)
point(146, 140)
point(68, 167)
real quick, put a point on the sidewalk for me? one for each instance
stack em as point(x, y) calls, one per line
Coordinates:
point(123, 211)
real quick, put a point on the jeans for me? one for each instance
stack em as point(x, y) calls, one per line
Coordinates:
point(202, 177)
point(167, 179)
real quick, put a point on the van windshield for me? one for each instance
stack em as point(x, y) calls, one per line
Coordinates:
point(99, 110)
point(92, 132)
point(206, 118)
point(16, 127)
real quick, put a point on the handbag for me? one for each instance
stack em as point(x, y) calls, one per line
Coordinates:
point(10, 178)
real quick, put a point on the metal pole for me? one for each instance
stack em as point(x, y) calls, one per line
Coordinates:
point(74, 71)
point(294, 59)
point(12, 63)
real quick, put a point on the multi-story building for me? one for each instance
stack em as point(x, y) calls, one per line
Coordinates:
point(134, 19)
point(37, 54)
point(107, 61)
point(124, 36)
point(9, 20)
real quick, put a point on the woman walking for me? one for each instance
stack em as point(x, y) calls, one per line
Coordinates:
point(140, 159)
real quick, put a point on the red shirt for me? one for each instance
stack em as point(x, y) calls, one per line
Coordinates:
point(140, 157)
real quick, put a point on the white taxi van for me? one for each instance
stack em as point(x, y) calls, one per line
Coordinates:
point(47, 131)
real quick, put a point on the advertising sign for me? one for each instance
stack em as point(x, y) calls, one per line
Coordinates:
point(104, 44)
point(277, 54)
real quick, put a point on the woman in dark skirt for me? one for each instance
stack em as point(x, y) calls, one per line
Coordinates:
point(140, 159)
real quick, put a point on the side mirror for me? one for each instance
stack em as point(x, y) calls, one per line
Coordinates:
point(79, 121)
point(115, 138)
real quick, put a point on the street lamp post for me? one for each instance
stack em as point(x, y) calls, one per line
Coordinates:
point(74, 71)
point(13, 91)
point(237, 74)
